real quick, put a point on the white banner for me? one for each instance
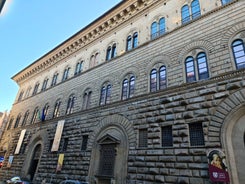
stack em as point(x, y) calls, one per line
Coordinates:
point(58, 134)
point(21, 138)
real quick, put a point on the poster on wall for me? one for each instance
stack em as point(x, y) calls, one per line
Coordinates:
point(58, 135)
point(217, 166)
point(10, 161)
point(60, 162)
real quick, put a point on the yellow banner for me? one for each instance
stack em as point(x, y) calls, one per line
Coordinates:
point(60, 162)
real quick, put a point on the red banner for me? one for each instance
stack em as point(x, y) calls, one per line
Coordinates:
point(218, 175)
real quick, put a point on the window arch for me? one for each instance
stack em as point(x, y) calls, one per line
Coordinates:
point(94, 60)
point(105, 94)
point(57, 109)
point(195, 11)
point(132, 41)
point(35, 89)
point(66, 74)
point(196, 65)
point(158, 78)
point(70, 104)
point(45, 82)
point(111, 52)
point(158, 28)
point(225, 1)
point(45, 112)
point(25, 118)
point(79, 68)
point(10, 123)
point(185, 14)
point(17, 121)
point(35, 115)
point(20, 96)
point(128, 87)
point(87, 99)
point(54, 80)
point(28, 92)
point(238, 49)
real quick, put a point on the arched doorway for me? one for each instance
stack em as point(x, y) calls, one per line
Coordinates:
point(34, 161)
point(110, 146)
point(234, 143)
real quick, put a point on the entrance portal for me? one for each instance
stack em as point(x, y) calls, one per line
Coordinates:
point(35, 160)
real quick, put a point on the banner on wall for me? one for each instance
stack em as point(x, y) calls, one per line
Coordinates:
point(60, 162)
point(58, 134)
point(10, 161)
point(21, 138)
point(217, 167)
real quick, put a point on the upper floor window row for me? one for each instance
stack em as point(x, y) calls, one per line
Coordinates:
point(191, 12)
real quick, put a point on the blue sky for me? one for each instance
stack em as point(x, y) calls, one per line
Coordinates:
point(30, 29)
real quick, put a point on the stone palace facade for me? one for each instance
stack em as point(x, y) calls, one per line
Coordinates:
point(142, 95)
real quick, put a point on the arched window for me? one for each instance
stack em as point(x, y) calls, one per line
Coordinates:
point(17, 121)
point(197, 65)
point(195, 9)
point(129, 43)
point(92, 61)
point(97, 58)
point(111, 52)
point(158, 79)
point(125, 89)
point(128, 87)
point(54, 80)
point(162, 26)
point(162, 78)
point(66, 74)
point(108, 53)
point(28, 92)
point(70, 104)
point(105, 95)
point(238, 49)
point(57, 109)
point(185, 14)
point(79, 68)
point(225, 1)
point(202, 66)
point(10, 123)
point(86, 99)
point(35, 115)
point(45, 82)
point(190, 69)
point(154, 32)
point(25, 118)
point(45, 112)
point(135, 40)
point(20, 96)
point(114, 51)
point(153, 80)
point(35, 89)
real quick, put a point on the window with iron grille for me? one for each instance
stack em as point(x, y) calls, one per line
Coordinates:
point(107, 160)
point(167, 136)
point(65, 144)
point(84, 142)
point(50, 145)
point(143, 135)
point(196, 134)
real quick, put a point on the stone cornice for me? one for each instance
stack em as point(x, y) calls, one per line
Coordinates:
point(120, 13)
